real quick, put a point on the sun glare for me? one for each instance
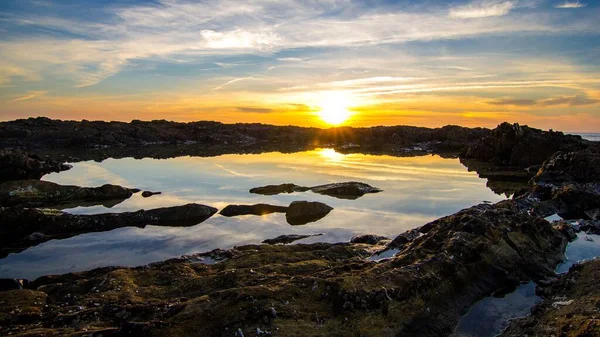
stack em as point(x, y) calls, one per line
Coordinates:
point(334, 109)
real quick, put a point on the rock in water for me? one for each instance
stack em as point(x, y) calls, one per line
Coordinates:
point(285, 239)
point(346, 190)
point(21, 228)
point(147, 194)
point(278, 189)
point(257, 209)
point(39, 193)
point(16, 164)
point(303, 212)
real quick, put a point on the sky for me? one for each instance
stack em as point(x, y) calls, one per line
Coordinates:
point(382, 62)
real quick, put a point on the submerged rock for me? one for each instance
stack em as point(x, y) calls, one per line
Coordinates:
point(346, 190)
point(147, 194)
point(289, 238)
point(39, 193)
point(257, 209)
point(278, 189)
point(25, 227)
point(303, 212)
point(17, 165)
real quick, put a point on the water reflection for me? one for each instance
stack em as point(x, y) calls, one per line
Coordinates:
point(416, 190)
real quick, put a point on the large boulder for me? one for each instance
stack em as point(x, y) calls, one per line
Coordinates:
point(521, 146)
point(39, 193)
point(303, 212)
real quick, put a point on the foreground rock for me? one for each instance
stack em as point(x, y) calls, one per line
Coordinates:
point(38, 193)
point(521, 146)
point(303, 212)
point(345, 190)
point(569, 309)
point(16, 165)
point(289, 238)
point(567, 184)
point(300, 290)
point(257, 209)
point(21, 228)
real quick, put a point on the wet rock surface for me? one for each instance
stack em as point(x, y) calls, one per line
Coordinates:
point(257, 209)
point(567, 184)
point(21, 228)
point(570, 306)
point(303, 212)
point(306, 290)
point(289, 238)
point(16, 164)
point(38, 193)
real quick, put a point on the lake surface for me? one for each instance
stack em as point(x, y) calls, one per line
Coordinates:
point(416, 190)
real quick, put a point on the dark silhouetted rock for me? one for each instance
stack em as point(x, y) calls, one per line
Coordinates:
point(521, 146)
point(257, 209)
point(278, 189)
point(10, 284)
point(285, 239)
point(24, 227)
point(370, 239)
point(346, 190)
point(303, 212)
point(570, 168)
point(39, 193)
point(18, 165)
point(147, 194)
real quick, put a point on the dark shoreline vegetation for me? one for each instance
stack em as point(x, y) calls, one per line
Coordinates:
point(440, 270)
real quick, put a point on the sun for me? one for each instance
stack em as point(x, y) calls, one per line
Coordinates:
point(334, 109)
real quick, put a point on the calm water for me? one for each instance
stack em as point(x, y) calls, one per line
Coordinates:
point(590, 136)
point(416, 191)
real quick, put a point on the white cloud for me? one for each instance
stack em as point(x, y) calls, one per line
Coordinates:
point(482, 9)
point(569, 4)
point(183, 29)
point(30, 95)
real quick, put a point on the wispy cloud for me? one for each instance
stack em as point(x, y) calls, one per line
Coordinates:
point(574, 100)
point(571, 4)
point(482, 9)
point(231, 81)
point(30, 95)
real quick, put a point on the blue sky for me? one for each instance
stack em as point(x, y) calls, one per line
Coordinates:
point(388, 62)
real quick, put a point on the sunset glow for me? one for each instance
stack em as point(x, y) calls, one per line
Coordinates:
point(467, 62)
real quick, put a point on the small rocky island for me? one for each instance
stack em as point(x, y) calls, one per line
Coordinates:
point(439, 270)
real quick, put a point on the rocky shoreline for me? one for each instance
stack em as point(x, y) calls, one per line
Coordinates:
point(439, 271)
